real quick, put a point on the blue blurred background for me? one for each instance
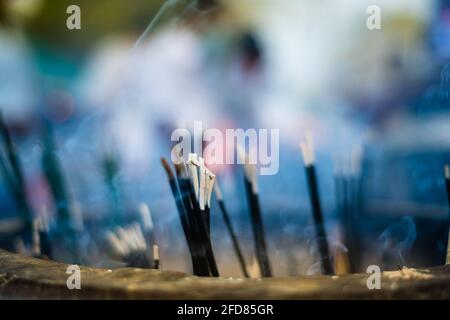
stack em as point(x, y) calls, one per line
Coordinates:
point(377, 102)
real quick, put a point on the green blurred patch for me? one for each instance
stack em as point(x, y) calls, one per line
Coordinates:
point(100, 19)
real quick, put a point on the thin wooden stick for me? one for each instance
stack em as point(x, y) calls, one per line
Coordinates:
point(15, 177)
point(447, 184)
point(228, 224)
point(251, 188)
point(307, 149)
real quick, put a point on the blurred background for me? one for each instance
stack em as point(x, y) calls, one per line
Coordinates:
point(377, 102)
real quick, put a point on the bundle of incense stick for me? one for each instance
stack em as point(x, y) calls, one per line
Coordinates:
point(14, 177)
point(196, 185)
point(234, 238)
point(251, 187)
point(307, 149)
point(447, 185)
point(197, 266)
point(192, 196)
point(128, 245)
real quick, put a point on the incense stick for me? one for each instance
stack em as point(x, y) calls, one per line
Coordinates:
point(36, 241)
point(199, 186)
point(179, 197)
point(342, 259)
point(348, 198)
point(44, 239)
point(156, 262)
point(147, 223)
point(234, 239)
point(251, 188)
point(14, 176)
point(307, 149)
point(190, 203)
point(447, 184)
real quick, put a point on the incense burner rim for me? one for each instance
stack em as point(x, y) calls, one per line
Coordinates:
point(29, 278)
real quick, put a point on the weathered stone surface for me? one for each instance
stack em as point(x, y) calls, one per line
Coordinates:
point(28, 278)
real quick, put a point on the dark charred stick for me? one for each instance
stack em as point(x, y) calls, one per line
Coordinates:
point(251, 188)
point(318, 220)
point(324, 251)
point(228, 224)
point(182, 213)
point(258, 230)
